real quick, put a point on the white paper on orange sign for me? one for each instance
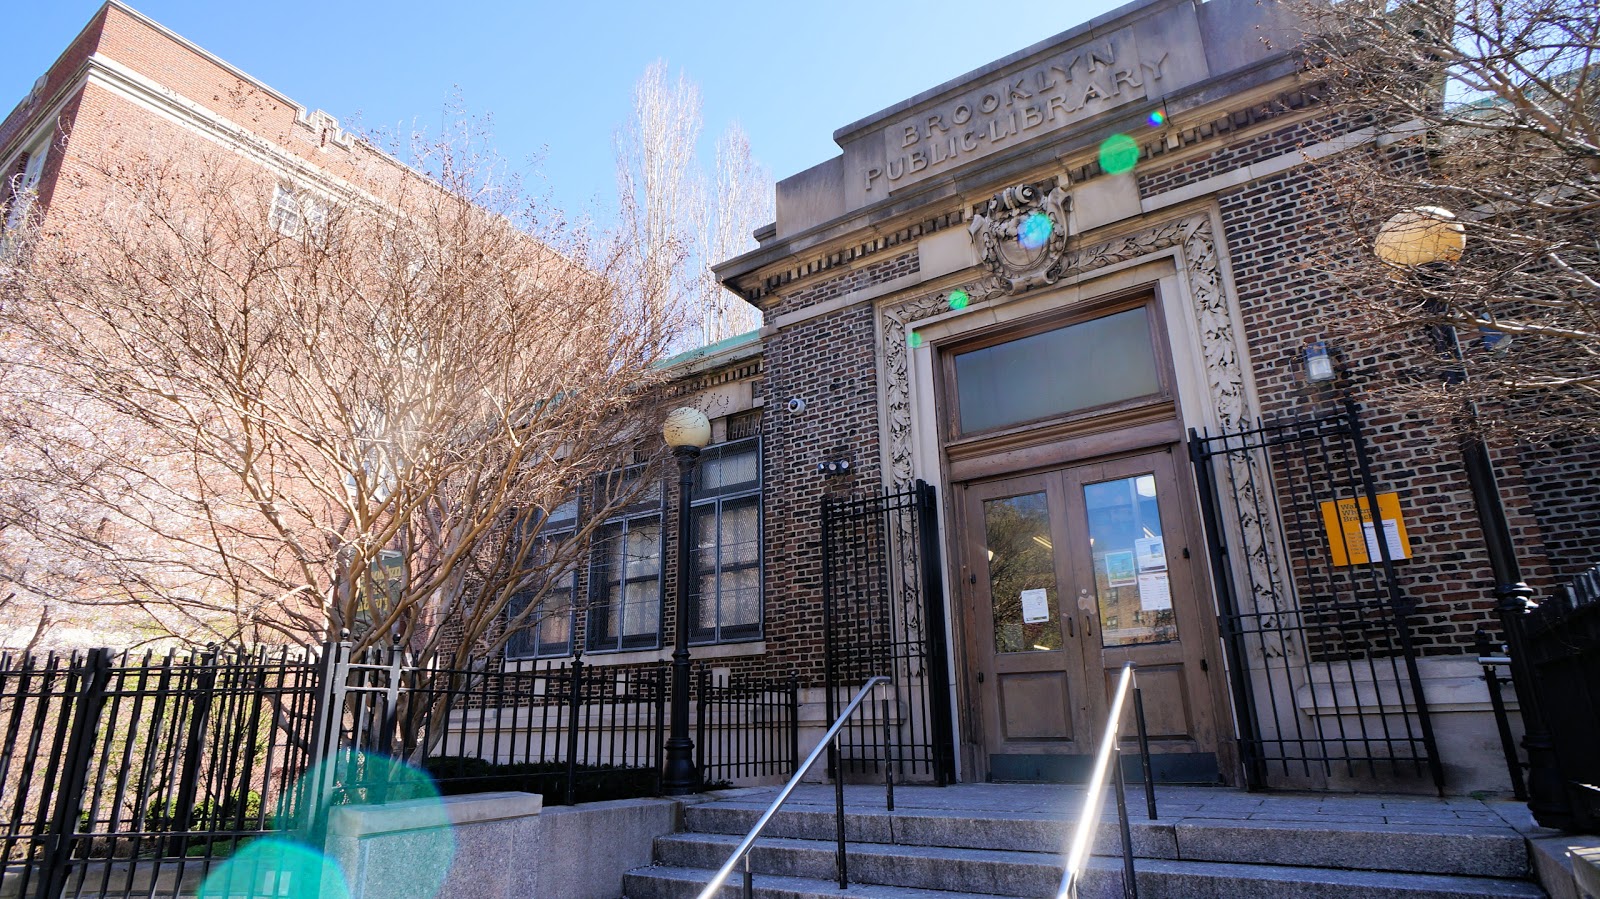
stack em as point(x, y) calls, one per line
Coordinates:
point(1391, 536)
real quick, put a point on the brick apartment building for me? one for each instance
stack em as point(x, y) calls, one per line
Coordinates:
point(125, 75)
point(128, 92)
point(966, 299)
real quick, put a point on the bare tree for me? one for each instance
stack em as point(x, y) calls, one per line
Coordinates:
point(656, 183)
point(680, 221)
point(1486, 110)
point(253, 410)
point(739, 202)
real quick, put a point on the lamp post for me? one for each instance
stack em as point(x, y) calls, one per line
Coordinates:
point(1421, 238)
point(686, 431)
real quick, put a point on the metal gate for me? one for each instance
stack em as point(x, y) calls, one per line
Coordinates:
point(135, 774)
point(883, 610)
point(1315, 626)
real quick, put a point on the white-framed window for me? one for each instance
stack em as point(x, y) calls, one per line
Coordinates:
point(725, 595)
point(297, 211)
point(22, 181)
point(547, 631)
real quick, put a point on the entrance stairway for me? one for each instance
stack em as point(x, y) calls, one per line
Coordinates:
point(984, 840)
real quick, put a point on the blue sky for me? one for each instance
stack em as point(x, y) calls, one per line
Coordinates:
point(556, 77)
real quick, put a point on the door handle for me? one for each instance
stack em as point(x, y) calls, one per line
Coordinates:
point(980, 677)
point(1069, 627)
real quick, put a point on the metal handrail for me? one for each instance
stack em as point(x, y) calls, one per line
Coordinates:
point(743, 850)
point(1088, 819)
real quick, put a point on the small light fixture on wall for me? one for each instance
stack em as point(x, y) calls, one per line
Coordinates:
point(833, 466)
point(1319, 362)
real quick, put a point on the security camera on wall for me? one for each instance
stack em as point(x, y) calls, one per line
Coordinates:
point(797, 405)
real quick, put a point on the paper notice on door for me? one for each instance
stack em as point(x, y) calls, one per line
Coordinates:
point(1119, 568)
point(1035, 606)
point(1154, 593)
point(1391, 536)
point(1151, 553)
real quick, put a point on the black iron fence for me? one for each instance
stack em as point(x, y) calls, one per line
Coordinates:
point(746, 727)
point(883, 610)
point(563, 729)
point(1561, 641)
point(133, 774)
point(1315, 625)
point(139, 774)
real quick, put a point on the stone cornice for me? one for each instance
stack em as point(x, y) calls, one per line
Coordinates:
point(111, 75)
point(1261, 110)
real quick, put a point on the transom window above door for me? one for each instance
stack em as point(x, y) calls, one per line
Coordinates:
point(1095, 363)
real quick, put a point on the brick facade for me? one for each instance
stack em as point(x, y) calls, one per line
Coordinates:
point(855, 280)
point(216, 104)
point(828, 362)
point(1560, 486)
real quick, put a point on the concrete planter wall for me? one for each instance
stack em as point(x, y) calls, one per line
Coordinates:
point(493, 845)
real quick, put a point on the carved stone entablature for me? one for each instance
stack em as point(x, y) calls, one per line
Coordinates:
point(1021, 236)
point(1200, 265)
point(1193, 242)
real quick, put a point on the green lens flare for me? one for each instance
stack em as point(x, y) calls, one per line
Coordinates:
point(959, 299)
point(1034, 231)
point(318, 808)
point(1119, 153)
point(278, 868)
point(914, 340)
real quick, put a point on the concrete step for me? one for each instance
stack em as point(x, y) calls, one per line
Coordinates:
point(982, 871)
point(991, 872)
point(1157, 879)
point(1417, 848)
point(664, 882)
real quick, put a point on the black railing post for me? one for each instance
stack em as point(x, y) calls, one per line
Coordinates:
point(1130, 886)
point(829, 675)
point(1144, 749)
point(702, 679)
point(658, 728)
point(79, 755)
point(1489, 661)
point(193, 750)
point(888, 757)
point(838, 814)
point(390, 720)
point(938, 661)
point(1547, 793)
point(574, 704)
point(794, 724)
point(327, 711)
point(1398, 608)
point(1237, 656)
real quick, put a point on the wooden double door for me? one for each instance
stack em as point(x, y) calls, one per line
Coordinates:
point(1068, 574)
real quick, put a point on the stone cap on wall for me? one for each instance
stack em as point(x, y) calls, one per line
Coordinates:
point(356, 821)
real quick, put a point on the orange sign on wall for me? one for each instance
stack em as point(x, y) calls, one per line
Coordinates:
point(1352, 536)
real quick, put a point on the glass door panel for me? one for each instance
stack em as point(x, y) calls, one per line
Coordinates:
point(1022, 573)
point(1132, 584)
point(1028, 654)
